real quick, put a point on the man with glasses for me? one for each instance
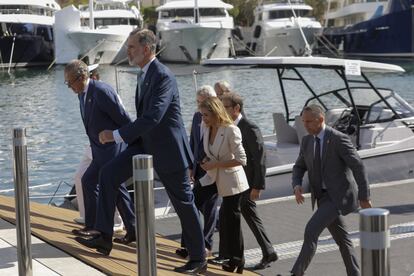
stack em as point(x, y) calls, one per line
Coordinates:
point(255, 170)
point(101, 108)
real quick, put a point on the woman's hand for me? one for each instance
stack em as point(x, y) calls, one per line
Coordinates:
point(209, 165)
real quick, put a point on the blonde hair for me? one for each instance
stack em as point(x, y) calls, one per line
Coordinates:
point(216, 107)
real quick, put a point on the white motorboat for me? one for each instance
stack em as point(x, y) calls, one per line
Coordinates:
point(280, 29)
point(379, 122)
point(100, 40)
point(193, 30)
point(26, 35)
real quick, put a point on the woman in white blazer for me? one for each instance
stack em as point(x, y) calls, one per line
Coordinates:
point(223, 164)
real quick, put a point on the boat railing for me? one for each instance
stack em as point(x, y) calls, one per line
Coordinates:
point(27, 11)
point(408, 121)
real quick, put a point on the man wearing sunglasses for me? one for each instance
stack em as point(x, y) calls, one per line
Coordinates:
point(101, 108)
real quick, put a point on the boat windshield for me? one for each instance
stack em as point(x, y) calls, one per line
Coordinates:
point(371, 107)
point(189, 12)
point(111, 21)
point(278, 14)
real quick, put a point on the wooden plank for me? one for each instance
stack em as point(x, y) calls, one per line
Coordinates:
point(54, 225)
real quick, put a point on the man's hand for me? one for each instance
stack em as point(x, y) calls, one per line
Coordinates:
point(190, 174)
point(255, 194)
point(365, 203)
point(298, 191)
point(106, 136)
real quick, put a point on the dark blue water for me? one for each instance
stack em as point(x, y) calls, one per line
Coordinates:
point(38, 100)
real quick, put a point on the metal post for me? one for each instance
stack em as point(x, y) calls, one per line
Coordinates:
point(143, 175)
point(375, 242)
point(21, 185)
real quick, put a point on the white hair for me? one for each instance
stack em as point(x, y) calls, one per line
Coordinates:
point(206, 91)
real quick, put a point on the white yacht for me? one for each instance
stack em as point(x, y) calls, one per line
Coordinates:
point(276, 32)
point(100, 40)
point(26, 35)
point(193, 30)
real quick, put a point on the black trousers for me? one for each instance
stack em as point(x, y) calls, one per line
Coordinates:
point(250, 215)
point(231, 237)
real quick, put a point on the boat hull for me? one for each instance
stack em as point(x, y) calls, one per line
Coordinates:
point(283, 41)
point(193, 44)
point(29, 49)
point(390, 35)
point(380, 169)
point(102, 48)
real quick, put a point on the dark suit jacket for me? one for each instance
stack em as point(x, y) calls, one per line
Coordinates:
point(342, 170)
point(253, 145)
point(196, 145)
point(159, 123)
point(103, 111)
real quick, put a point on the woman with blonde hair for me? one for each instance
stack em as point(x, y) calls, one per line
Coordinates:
point(225, 157)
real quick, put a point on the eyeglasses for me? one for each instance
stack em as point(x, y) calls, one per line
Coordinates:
point(70, 83)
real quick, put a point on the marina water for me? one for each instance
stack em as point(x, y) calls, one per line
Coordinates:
point(38, 100)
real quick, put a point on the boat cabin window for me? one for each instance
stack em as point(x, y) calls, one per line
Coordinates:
point(111, 21)
point(25, 9)
point(110, 6)
point(278, 14)
point(212, 12)
point(172, 13)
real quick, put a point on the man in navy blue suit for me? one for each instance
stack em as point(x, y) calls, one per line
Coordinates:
point(101, 108)
point(159, 131)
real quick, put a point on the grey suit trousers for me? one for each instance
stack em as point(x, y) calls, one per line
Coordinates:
point(326, 216)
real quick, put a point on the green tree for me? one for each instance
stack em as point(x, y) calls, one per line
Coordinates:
point(150, 15)
point(243, 11)
point(319, 8)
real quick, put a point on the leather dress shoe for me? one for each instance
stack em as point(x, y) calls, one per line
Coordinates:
point(102, 245)
point(218, 260)
point(182, 252)
point(266, 261)
point(85, 232)
point(192, 267)
point(126, 239)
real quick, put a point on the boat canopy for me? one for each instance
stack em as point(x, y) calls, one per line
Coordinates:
point(318, 62)
point(183, 4)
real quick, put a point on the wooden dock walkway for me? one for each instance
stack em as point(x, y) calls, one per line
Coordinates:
point(54, 225)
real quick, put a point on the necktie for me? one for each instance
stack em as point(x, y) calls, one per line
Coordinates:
point(317, 168)
point(82, 104)
point(139, 81)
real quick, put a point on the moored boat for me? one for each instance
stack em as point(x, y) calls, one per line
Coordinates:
point(26, 32)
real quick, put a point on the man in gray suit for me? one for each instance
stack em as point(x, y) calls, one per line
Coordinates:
point(329, 157)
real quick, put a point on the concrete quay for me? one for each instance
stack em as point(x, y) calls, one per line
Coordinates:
point(285, 223)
